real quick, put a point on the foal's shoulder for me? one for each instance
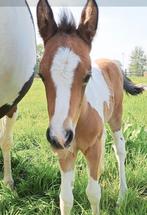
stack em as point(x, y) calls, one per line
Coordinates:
point(110, 68)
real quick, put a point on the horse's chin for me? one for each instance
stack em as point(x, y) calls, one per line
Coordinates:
point(62, 153)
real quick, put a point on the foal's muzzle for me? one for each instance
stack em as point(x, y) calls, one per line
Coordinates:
point(54, 140)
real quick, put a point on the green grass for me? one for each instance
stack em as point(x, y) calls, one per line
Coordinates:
point(36, 172)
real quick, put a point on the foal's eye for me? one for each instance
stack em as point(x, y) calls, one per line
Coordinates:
point(41, 76)
point(87, 77)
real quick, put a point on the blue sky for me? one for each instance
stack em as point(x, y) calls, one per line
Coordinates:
point(120, 30)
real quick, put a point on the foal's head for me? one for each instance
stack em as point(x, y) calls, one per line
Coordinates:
point(65, 68)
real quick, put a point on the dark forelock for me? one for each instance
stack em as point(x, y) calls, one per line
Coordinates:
point(67, 22)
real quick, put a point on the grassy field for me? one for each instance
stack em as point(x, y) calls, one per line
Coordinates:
point(36, 172)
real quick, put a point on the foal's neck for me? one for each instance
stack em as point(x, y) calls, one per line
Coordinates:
point(89, 127)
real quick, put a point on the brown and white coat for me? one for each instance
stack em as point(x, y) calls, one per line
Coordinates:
point(81, 97)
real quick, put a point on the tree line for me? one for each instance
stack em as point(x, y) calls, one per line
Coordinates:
point(138, 62)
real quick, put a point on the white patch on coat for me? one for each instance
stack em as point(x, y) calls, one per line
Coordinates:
point(6, 127)
point(17, 51)
point(2, 128)
point(6, 141)
point(93, 192)
point(120, 152)
point(62, 72)
point(97, 91)
point(66, 196)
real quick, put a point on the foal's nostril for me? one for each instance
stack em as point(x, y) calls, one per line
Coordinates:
point(53, 141)
point(69, 136)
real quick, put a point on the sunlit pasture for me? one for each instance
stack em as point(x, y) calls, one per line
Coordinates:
point(36, 172)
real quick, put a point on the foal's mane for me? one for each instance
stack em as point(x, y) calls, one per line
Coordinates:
point(67, 22)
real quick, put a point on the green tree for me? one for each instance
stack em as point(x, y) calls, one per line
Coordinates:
point(138, 62)
point(40, 51)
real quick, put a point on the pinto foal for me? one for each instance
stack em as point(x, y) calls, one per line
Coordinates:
point(81, 96)
point(17, 62)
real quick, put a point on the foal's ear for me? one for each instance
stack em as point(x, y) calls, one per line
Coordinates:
point(89, 21)
point(46, 22)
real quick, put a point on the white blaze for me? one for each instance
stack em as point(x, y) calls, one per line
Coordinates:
point(62, 72)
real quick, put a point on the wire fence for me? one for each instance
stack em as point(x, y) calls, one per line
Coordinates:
point(135, 74)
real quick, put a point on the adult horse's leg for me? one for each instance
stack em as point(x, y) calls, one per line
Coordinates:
point(94, 156)
point(119, 148)
point(6, 140)
point(67, 180)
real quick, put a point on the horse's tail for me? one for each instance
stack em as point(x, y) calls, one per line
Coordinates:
point(130, 87)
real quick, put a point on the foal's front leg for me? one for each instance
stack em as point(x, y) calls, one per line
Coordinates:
point(67, 180)
point(6, 140)
point(94, 156)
